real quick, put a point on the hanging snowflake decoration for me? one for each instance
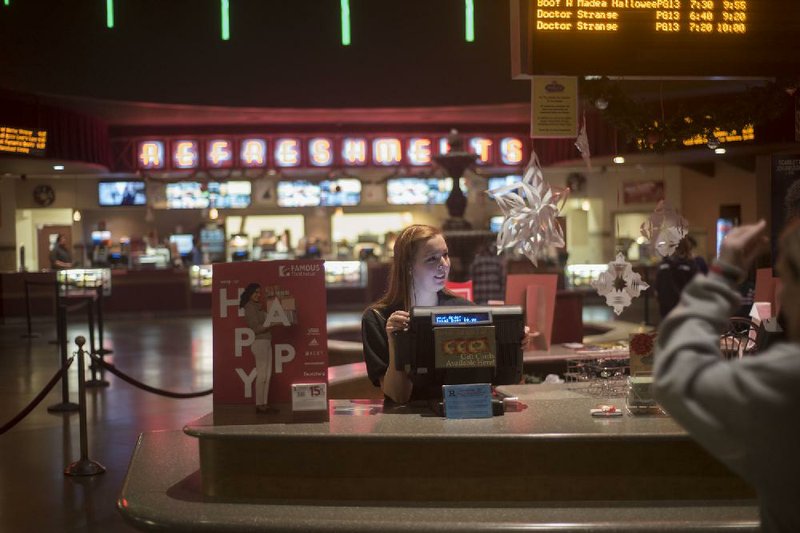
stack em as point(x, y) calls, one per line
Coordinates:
point(582, 144)
point(665, 228)
point(619, 284)
point(530, 208)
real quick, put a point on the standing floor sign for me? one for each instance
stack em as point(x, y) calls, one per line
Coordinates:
point(292, 304)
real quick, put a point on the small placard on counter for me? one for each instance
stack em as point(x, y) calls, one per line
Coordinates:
point(472, 400)
point(309, 397)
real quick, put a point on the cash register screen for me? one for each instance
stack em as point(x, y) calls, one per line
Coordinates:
point(462, 344)
point(461, 319)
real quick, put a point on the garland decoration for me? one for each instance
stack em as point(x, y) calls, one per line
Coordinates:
point(646, 125)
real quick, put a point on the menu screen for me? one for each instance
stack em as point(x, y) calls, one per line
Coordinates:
point(658, 38)
point(420, 191)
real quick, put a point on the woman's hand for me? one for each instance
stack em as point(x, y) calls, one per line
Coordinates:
point(398, 321)
point(528, 337)
point(743, 244)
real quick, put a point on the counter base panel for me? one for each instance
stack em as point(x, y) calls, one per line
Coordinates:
point(162, 492)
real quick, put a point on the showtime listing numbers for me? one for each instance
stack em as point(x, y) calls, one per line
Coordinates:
point(668, 16)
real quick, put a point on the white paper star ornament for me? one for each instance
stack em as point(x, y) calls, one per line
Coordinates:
point(530, 208)
point(619, 284)
point(664, 229)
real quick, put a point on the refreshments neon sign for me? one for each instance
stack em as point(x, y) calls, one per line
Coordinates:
point(186, 153)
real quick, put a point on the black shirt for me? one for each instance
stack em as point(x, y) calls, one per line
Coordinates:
point(674, 273)
point(376, 343)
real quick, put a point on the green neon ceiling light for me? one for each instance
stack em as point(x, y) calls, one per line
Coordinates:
point(345, 22)
point(226, 19)
point(109, 14)
point(469, 15)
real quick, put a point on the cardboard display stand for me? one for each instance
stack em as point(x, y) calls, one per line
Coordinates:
point(537, 294)
point(293, 297)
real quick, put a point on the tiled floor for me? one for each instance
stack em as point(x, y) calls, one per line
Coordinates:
point(168, 353)
point(35, 495)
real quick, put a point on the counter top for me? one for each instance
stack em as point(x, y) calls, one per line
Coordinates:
point(554, 412)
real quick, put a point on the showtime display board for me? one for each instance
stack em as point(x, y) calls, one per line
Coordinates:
point(656, 38)
point(183, 153)
point(293, 301)
point(22, 141)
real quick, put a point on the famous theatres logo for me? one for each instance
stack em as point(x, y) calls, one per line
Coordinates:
point(302, 270)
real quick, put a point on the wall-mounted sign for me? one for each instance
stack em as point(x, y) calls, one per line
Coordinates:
point(320, 152)
point(150, 155)
point(554, 107)
point(186, 153)
point(253, 153)
point(22, 141)
point(287, 152)
point(219, 153)
point(642, 192)
point(655, 38)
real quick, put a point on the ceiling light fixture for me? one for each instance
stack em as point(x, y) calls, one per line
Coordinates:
point(469, 16)
point(110, 14)
point(618, 159)
point(345, 16)
point(58, 167)
point(225, 19)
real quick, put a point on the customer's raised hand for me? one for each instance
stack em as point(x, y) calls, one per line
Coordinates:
point(743, 244)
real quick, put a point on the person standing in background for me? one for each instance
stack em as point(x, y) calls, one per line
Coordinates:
point(60, 258)
point(699, 261)
point(674, 273)
point(488, 275)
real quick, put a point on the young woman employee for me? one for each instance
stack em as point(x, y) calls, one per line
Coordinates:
point(417, 278)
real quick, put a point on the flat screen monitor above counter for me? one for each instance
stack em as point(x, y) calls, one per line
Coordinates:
point(495, 182)
point(340, 192)
point(329, 193)
point(121, 193)
point(420, 191)
point(196, 195)
point(298, 193)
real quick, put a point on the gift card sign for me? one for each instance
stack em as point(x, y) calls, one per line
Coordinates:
point(465, 347)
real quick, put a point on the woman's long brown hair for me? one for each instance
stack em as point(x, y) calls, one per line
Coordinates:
point(400, 276)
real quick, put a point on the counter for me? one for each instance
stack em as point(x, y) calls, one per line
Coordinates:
point(549, 467)
point(349, 284)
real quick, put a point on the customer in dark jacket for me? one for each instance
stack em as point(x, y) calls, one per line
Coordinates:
point(674, 273)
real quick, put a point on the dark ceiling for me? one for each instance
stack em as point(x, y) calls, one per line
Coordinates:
point(281, 53)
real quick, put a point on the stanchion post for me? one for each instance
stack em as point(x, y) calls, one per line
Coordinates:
point(101, 349)
point(65, 406)
point(646, 298)
point(83, 466)
point(29, 334)
point(94, 382)
point(57, 296)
